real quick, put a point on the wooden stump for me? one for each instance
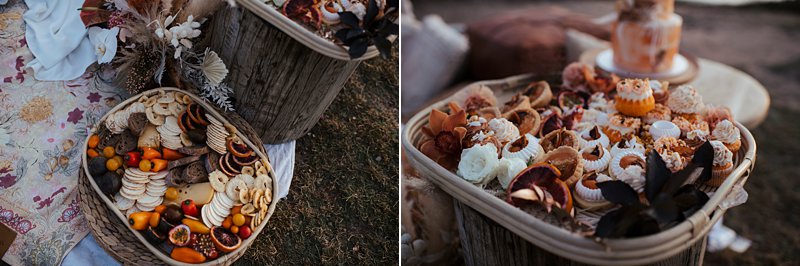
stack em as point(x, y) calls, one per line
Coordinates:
point(281, 86)
point(485, 242)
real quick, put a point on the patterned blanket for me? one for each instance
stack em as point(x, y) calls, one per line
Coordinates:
point(42, 127)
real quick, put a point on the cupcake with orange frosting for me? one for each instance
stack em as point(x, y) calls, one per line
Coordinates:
point(634, 97)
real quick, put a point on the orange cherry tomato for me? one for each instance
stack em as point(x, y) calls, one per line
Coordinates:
point(93, 141)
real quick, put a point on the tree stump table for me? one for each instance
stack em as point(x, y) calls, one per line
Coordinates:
point(283, 76)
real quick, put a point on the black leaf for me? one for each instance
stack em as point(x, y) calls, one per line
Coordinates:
point(349, 19)
point(372, 12)
point(607, 224)
point(689, 199)
point(657, 175)
point(355, 34)
point(358, 48)
point(341, 35)
point(663, 209)
point(704, 157)
point(384, 46)
point(618, 192)
point(678, 179)
point(644, 226)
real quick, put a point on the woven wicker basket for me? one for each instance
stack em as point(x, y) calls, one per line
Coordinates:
point(300, 33)
point(478, 212)
point(129, 246)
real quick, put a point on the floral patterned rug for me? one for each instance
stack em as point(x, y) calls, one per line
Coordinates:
point(42, 127)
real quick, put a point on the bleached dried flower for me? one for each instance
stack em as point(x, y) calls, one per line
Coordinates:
point(213, 68)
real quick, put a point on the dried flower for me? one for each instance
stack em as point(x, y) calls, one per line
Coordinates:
point(213, 68)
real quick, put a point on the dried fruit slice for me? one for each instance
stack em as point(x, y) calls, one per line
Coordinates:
point(540, 184)
point(246, 160)
point(569, 99)
point(225, 240)
point(239, 149)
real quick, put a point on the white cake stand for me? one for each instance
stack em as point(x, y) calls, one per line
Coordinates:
point(684, 68)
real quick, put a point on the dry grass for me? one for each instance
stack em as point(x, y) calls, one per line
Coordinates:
point(342, 206)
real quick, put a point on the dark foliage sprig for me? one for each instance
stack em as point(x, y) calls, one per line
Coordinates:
point(670, 200)
point(372, 30)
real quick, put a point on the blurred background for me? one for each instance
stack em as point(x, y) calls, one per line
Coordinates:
point(447, 44)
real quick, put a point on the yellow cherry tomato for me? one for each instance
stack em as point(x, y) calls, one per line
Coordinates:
point(145, 165)
point(238, 219)
point(171, 193)
point(108, 152)
point(112, 165)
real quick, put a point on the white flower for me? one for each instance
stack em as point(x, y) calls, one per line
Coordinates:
point(479, 164)
point(508, 169)
point(104, 42)
point(178, 52)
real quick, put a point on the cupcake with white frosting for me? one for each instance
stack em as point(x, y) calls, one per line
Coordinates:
point(685, 100)
point(723, 164)
point(728, 134)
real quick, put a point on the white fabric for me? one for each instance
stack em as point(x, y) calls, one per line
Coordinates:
point(88, 252)
point(57, 39)
point(721, 237)
point(282, 158)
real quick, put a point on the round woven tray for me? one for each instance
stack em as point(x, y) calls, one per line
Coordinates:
point(114, 236)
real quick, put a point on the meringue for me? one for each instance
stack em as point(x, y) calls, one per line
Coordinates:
point(616, 167)
point(627, 145)
point(530, 152)
point(598, 164)
point(588, 140)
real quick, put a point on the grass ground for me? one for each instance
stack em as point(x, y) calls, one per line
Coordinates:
point(761, 41)
point(342, 205)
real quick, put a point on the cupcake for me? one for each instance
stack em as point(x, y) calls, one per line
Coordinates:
point(723, 164)
point(685, 101)
point(687, 125)
point(620, 126)
point(696, 138)
point(728, 134)
point(660, 91)
point(663, 128)
point(625, 160)
point(595, 158)
point(525, 148)
point(593, 136)
point(632, 143)
point(504, 130)
point(588, 196)
point(675, 153)
point(660, 112)
point(508, 169)
point(634, 97)
point(715, 114)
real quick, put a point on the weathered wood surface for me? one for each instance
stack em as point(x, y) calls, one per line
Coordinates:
point(281, 86)
point(484, 242)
